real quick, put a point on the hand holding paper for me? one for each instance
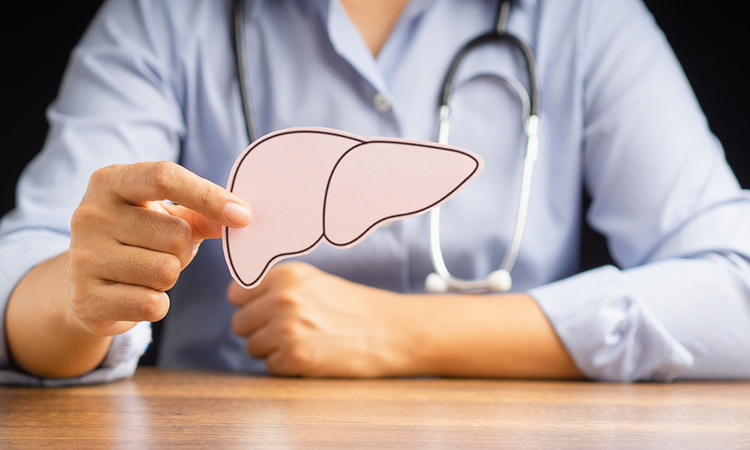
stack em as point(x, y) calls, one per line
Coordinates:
point(306, 185)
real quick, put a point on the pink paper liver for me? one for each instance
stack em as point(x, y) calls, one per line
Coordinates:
point(305, 185)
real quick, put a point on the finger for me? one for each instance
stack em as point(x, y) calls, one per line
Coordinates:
point(201, 226)
point(149, 181)
point(250, 317)
point(135, 266)
point(262, 342)
point(158, 231)
point(108, 301)
point(238, 295)
point(278, 363)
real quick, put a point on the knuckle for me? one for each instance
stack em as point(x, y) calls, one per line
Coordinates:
point(288, 362)
point(234, 297)
point(153, 306)
point(280, 368)
point(287, 271)
point(179, 235)
point(101, 177)
point(162, 174)
point(78, 219)
point(274, 367)
point(286, 302)
point(82, 266)
point(167, 271)
point(78, 259)
point(208, 199)
point(83, 219)
point(298, 357)
point(104, 179)
point(237, 324)
point(288, 330)
point(293, 273)
point(250, 347)
point(253, 349)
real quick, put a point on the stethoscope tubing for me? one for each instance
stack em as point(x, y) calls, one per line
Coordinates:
point(500, 280)
point(493, 37)
point(238, 15)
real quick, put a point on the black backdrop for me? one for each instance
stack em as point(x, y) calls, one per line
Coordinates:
point(710, 39)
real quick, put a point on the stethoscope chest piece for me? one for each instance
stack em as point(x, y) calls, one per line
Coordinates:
point(497, 281)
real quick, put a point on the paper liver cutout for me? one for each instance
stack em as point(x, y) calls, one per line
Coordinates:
point(306, 185)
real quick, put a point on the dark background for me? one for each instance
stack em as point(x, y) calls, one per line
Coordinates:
point(710, 39)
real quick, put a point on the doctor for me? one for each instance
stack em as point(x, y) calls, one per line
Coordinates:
point(88, 254)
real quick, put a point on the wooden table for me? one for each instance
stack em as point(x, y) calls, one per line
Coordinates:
point(213, 410)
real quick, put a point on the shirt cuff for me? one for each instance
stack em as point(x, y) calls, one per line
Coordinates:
point(608, 331)
point(19, 253)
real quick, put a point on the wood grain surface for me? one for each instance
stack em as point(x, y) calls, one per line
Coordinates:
point(159, 408)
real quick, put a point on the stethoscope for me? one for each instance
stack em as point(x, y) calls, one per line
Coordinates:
point(441, 280)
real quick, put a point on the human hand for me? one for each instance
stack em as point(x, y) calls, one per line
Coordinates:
point(127, 248)
point(305, 322)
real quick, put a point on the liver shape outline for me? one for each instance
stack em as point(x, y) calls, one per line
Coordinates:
point(307, 185)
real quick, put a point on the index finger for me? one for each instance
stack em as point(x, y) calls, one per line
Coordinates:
point(159, 180)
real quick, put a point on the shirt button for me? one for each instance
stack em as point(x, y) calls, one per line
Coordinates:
point(381, 103)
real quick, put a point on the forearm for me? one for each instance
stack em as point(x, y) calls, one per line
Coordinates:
point(43, 335)
point(498, 336)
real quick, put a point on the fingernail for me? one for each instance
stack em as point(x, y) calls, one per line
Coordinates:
point(237, 214)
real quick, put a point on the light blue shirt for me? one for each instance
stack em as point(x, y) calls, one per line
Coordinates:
point(155, 80)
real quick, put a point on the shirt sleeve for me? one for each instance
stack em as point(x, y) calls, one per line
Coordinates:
point(117, 104)
point(676, 221)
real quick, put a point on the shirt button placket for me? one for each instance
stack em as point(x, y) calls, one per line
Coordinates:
point(382, 105)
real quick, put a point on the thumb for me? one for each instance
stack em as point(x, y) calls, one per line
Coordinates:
point(202, 226)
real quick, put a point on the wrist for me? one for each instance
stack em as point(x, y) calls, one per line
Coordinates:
point(504, 335)
point(43, 337)
point(408, 334)
point(87, 349)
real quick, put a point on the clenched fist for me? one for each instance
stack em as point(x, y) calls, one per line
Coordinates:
point(306, 322)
